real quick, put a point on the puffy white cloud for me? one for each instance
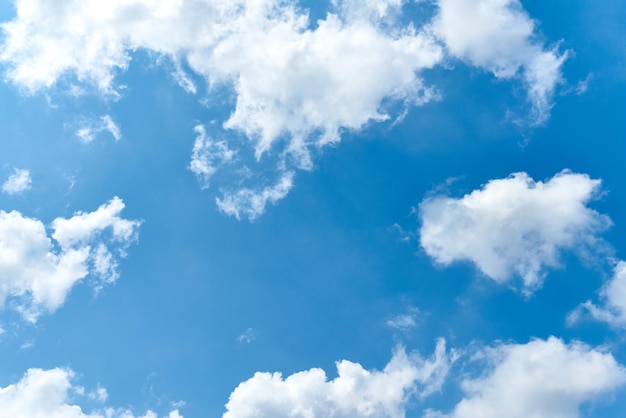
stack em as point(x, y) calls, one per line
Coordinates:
point(513, 226)
point(541, 379)
point(251, 203)
point(17, 182)
point(90, 129)
point(49, 393)
point(500, 36)
point(299, 82)
point(298, 85)
point(207, 156)
point(84, 226)
point(37, 275)
point(289, 79)
point(356, 392)
point(613, 295)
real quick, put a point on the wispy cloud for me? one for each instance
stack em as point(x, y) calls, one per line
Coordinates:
point(91, 128)
point(247, 337)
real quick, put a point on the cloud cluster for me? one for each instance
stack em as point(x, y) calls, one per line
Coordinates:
point(298, 84)
point(542, 379)
point(513, 226)
point(356, 392)
point(289, 79)
point(17, 182)
point(47, 393)
point(37, 270)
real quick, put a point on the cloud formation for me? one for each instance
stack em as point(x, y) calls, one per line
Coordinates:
point(48, 393)
point(356, 392)
point(613, 297)
point(17, 182)
point(298, 85)
point(542, 379)
point(499, 36)
point(251, 202)
point(91, 128)
point(207, 156)
point(513, 226)
point(37, 271)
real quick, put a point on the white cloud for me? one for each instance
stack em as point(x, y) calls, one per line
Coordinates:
point(500, 36)
point(404, 322)
point(99, 394)
point(613, 295)
point(298, 85)
point(374, 10)
point(356, 392)
point(17, 182)
point(541, 379)
point(37, 277)
point(289, 79)
point(301, 82)
point(84, 226)
point(50, 393)
point(247, 337)
point(90, 129)
point(207, 156)
point(251, 203)
point(513, 226)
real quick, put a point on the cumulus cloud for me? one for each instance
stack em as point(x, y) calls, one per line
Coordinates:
point(91, 128)
point(513, 226)
point(542, 379)
point(613, 296)
point(298, 85)
point(207, 156)
point(500, 36)
point(38, 270)
point(374, 10)
point(17, 182)
point(356, 392)
point(50, 394)
point(289, 79)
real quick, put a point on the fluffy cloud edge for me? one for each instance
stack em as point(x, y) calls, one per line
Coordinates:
point(514, 226)
point(500, 37)
point(543, 378)
point(17, 182)
point(298, 86)
point(612, 307)
point(52, 393)
point(38, 269)
point(355, 392)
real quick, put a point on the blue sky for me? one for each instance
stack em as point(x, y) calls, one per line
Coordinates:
point(263, 208)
